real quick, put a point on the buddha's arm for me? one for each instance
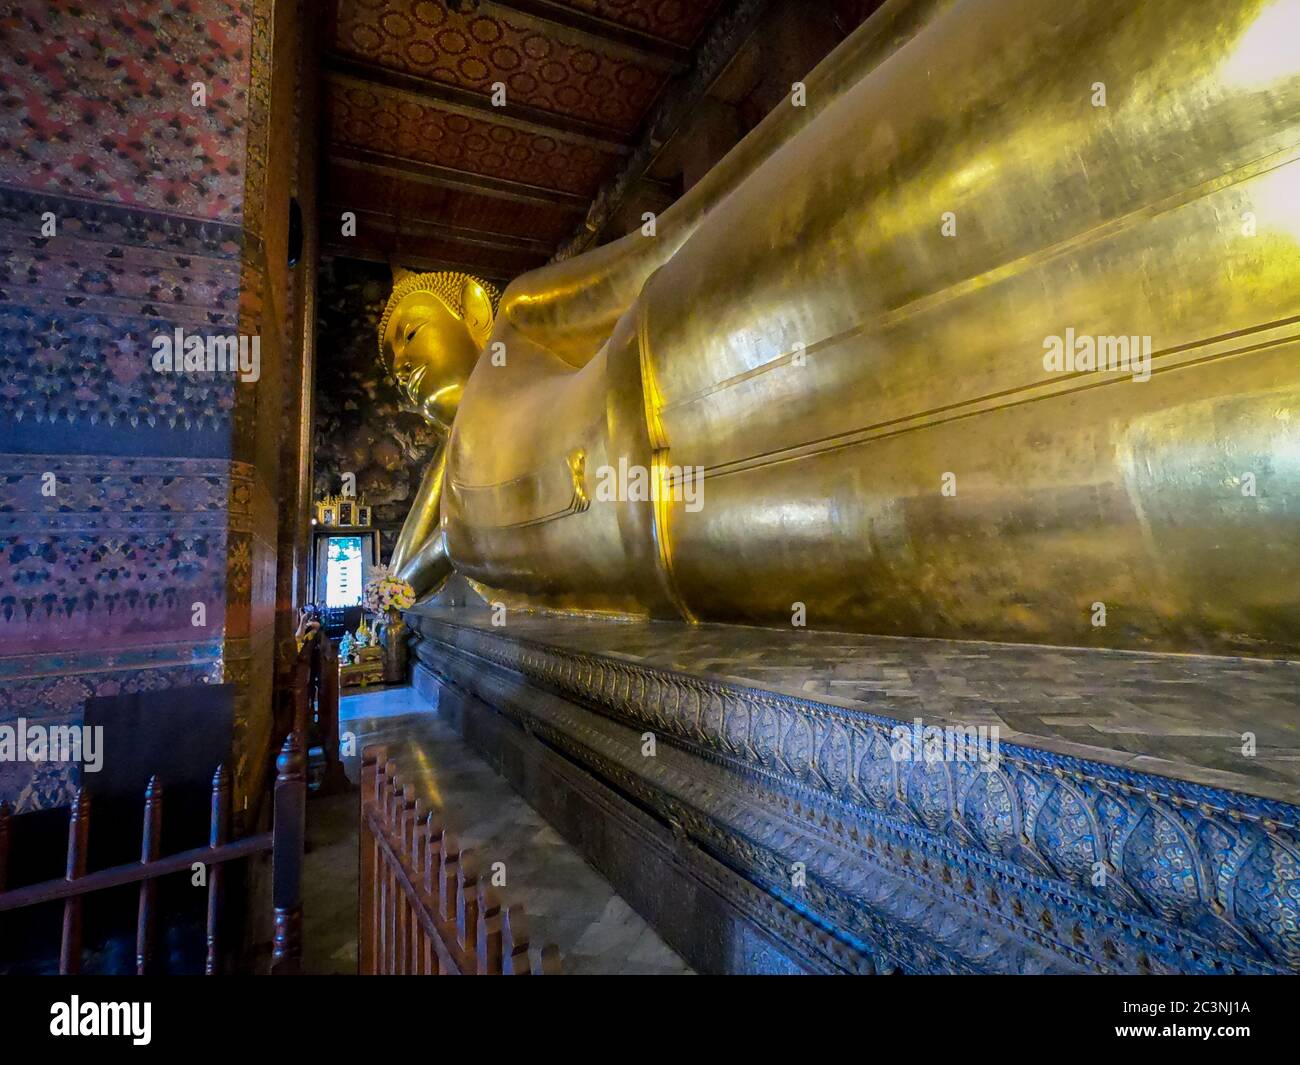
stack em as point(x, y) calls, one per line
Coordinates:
point(570, 308)
point(422, 519)
point(420, 557)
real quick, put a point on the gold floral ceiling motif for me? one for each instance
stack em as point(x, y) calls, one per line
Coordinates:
point(400, 124)
point(486, 136)
point(541, 65)
point(679, 21)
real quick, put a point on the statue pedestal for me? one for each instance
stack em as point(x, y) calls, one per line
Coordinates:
point(815, 802)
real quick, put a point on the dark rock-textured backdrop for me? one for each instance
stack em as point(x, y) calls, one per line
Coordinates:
point(361, 425)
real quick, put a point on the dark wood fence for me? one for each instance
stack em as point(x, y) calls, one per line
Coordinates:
point(424, 909)
point(284, 841)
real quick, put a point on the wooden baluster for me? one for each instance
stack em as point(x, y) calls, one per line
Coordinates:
point(413, 930)
point(432, 854)
point(367, 927)
point(6, 818)
point(405, 913)
point(411, 851)
point(219, 833)
point(547, 961)
point(514, 942)
point(429, 955)
point(489, 930)
point(390, 794)
point(397, 923)
point(415, 866)
point(399, 896)
point(327, 713)
point(449, 858)
point(467, 903)
point(289, 832)
point(149, 846)
point(415, 840)
point(381, 768)
point(431, 850)
point(78, 837)
point(393, 889)
point(301, 689)
point(382, 778)
point(381, 915)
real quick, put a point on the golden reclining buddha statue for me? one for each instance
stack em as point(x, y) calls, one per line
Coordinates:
point(994, 338)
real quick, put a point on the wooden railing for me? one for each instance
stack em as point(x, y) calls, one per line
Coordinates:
point(424, 909)
point(284, 841)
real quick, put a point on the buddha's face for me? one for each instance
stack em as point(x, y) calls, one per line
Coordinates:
point(431, 353)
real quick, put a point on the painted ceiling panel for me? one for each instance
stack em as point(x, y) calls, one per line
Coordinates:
point(401, 124)
point(679, 21)
point(406, 200)
point(497, 264)
point(541, 64)
point(436, 172)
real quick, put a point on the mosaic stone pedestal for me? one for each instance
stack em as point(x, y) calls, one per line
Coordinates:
point(745, 791)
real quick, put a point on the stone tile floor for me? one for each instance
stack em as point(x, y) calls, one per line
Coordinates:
point(568, 902)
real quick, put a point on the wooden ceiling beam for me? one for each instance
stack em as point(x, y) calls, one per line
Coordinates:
point(656, 50)
point(479, 238)
point(730, 30)
point(342, 69)
point(364, 159)
point(418, 263)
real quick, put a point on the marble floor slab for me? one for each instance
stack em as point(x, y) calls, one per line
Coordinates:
point(1225, 722)
point(568, 902)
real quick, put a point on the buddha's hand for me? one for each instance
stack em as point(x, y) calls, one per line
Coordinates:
point(428, 568)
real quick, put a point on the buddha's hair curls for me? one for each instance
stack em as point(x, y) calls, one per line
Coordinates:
point(447, 285)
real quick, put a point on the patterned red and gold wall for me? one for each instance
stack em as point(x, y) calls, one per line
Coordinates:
point(165, 485)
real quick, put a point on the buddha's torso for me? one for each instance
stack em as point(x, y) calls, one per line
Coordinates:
point(864, 386)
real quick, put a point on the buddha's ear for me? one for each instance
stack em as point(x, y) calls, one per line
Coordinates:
point(478, 311)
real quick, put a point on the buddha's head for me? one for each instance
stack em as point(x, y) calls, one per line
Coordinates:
point(430, 336)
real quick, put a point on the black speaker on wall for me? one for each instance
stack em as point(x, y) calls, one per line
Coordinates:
point(295, 233)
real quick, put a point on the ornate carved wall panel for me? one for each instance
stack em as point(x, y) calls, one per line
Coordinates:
point(79, 309)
